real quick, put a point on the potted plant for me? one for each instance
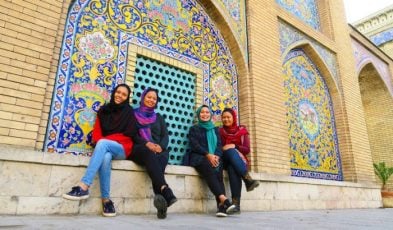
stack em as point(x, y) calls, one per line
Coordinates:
point(383, 172)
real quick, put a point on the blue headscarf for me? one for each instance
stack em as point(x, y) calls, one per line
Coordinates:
point(210, 129)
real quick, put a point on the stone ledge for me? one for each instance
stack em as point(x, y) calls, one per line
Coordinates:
point(26, 155)
point(35, 181)
point(38, 157)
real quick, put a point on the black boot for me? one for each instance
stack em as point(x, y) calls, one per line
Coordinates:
point(161, 206)
point(168, 195)
point(236, 202)
point(249, 182)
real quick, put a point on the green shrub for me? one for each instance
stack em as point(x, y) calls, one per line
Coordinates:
point(383, 173)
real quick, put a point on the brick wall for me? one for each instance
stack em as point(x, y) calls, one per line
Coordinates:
point(388, 48)
point(28, 30)
point(63, 8)
point(357, 162)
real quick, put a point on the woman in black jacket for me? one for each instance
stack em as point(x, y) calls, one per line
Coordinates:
point(150, 149)
point(206, 158)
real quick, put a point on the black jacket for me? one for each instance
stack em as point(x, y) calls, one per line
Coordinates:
point(198, 144)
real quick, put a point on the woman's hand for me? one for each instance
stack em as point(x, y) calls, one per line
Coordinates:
point(158, 148)
point(154, 147)
point(228, 146)
point(213, 159)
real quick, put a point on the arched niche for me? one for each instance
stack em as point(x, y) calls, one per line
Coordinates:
point(378, 108)
point(311, 99)
point(178, 31)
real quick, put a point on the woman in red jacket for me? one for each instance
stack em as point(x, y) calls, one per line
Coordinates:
point(113, 131)
point(236, 145)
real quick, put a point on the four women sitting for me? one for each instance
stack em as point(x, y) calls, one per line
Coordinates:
point(141, 135)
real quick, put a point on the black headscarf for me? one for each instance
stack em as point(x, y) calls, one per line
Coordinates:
point(117, 118)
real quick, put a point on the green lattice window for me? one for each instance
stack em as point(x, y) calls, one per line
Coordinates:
point(177, 100)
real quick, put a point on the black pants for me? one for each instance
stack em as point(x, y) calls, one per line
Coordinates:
point(235, 182)
point(214, 178)
point(155, 165)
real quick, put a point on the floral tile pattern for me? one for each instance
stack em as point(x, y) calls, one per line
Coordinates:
point(313, 143)
point(305, 10)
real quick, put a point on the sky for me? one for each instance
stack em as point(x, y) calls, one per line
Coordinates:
point(358, 9)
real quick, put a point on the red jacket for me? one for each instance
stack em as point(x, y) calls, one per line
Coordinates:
point(125, 141)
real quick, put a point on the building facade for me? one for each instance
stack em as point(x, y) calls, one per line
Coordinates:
point(378, 28)
point(372, 69)
point(315, 95)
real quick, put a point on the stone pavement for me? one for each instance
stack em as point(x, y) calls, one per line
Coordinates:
point(312, 219)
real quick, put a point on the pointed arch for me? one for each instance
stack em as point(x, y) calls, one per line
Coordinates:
point(181, 30)
point(378, 69)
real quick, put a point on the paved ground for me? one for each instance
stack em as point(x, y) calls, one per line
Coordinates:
point(315, 219)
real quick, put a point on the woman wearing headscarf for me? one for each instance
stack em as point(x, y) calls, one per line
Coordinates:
point(114, 128)
point(150, 149)
point(236, 147)
point(206, 158)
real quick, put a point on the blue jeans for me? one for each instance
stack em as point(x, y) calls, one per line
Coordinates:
point(236, 169)
point(101, 162)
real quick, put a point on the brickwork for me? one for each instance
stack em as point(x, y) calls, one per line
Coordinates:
point(358, 162)
point(266, 89)
point(28, 32)
point(63, 5)
point(387, 48)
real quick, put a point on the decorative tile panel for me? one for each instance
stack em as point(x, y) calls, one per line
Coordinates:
point(313, 144)
point(93, 60)
point(382, 37)
point(305, 10)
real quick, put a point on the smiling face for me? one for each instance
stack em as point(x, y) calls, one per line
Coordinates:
point(121, 95)
point(150, 99)
point(227, 119)
point(204, 115)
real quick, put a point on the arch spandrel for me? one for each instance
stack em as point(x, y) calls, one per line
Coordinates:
point(364, 57)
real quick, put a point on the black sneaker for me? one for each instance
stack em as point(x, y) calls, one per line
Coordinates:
point(225, 209)
point(161, 206)
point(108, 209)
point(236, 210)
point(169, 196)
point(221, 211)
point(229, 207)
point(77, 193)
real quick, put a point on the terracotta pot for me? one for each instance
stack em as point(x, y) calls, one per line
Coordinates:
point(386, 193)
point(387, 198)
